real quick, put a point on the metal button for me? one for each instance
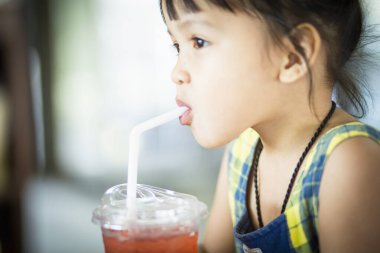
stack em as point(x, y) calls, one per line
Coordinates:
point(248, 250)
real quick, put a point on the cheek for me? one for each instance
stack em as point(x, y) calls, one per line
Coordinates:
point(222, 111)
point(222, 115)
point(231, 80)
point(227, 90)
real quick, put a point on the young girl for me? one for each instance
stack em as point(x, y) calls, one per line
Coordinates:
point(299, 174)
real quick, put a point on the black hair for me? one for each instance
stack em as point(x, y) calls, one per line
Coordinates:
point(340, 24)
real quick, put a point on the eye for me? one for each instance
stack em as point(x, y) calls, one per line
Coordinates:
point(199, 43)
point(176, 46)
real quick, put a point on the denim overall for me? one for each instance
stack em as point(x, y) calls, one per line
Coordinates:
point(273, 237)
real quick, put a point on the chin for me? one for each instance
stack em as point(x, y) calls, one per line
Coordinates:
point(210, 140)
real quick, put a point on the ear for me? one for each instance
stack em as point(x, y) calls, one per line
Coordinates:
point(294, 64)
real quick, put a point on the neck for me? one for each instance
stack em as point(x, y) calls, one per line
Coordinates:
point(293, 130)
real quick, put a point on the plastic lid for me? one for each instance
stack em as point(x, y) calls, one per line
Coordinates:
point(154, 207)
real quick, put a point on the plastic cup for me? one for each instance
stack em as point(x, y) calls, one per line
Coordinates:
point(165, 221)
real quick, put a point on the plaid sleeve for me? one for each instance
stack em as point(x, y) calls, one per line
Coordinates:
point(302, 209)
point(239, 161)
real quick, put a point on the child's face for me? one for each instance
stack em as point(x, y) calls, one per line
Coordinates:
point(225, 72)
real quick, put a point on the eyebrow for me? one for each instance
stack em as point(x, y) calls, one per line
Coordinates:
point(190, 22)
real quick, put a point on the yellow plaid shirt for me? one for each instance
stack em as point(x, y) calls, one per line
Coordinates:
point(302, 209)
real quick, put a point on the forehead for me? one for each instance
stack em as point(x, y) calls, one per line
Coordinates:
point(174, 9)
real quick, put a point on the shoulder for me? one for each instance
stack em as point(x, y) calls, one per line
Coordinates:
point(344, 138)
point(355, 159)
point(240, 150)
point(242, 144)
point(348, 197)
point(239, 154)
point(353, 148)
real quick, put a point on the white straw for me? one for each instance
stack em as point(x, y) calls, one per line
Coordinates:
point(134, 146)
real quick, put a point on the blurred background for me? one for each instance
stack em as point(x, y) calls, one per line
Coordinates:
point(75, 77)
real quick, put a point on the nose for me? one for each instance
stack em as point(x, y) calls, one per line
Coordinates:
point(180, 75)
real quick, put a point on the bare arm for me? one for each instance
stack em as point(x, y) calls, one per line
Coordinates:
point(218, 236)
point(349, 199)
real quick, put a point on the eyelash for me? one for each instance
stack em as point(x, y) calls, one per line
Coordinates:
point(196, 44)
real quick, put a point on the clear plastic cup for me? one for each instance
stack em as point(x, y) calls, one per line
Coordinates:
point(165, 221)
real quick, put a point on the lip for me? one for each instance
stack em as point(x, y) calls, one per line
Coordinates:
point(187, 117)
point(181, 103)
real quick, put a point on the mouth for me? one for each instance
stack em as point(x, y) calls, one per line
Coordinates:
point(187, 117)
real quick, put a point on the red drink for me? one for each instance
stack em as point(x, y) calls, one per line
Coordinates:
point(162, 221)
point(118, 242)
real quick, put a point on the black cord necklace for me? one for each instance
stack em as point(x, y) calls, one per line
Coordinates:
point(255, 162)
